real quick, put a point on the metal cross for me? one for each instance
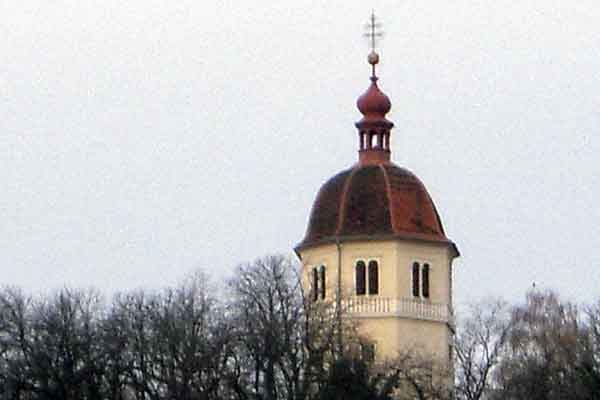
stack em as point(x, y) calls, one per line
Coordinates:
point(373, 31)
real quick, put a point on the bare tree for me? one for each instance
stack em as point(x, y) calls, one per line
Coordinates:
point(114, 336)
point(66, 359)
point(15, 343)
point(478, 345)
point(267, 312)
point(174, 344)
point(353, 378)
point(129, 330)
point(589, 369)
point(546, 345)
point(50, 347)
point(414, 374)
point(286, 339)
point(190, 342)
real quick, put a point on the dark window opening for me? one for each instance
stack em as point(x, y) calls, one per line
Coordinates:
point(425, 280)
point(373, 277)
point(315, 284)
point(372, 140)
point(322, 287)
point(360, 278)
point(415, 279)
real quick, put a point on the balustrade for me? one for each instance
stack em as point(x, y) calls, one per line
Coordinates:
point(409, 308)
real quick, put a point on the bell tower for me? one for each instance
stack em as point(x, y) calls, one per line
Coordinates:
point(376, 246)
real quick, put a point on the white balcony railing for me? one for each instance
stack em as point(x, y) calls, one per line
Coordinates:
point(389, 307)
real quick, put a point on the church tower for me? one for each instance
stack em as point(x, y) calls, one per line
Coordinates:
point(375, 245)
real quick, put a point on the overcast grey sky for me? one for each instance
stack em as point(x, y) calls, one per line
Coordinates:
point(140, 140)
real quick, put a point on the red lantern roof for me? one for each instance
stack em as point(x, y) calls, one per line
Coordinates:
point(373, 104)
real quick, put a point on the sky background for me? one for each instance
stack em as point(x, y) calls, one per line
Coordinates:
point(142, 140)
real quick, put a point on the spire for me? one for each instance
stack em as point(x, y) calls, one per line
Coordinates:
point(374, 129)
point(372, 34)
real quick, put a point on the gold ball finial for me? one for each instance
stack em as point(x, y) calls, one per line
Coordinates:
point(373, 58)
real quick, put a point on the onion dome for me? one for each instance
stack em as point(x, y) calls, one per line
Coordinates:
point(374, 199)
point(374, 104)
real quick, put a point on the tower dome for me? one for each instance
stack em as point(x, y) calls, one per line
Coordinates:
point(373, 201)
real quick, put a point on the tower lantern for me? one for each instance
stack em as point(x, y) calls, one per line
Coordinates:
point(374, 129)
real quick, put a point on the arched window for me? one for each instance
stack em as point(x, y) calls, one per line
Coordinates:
point(415, 279)
point(373, 277)
point(425, 278)
point(360, 278)
point(322, 276)
point(315, 284)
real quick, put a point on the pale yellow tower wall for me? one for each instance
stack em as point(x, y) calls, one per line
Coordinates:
point(390, 333)
point(399, 337)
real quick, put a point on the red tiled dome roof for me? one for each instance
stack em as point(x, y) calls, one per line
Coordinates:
point(373, 201)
